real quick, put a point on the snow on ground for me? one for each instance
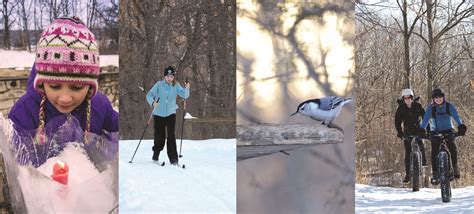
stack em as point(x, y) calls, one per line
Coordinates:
point(87, 190)
point(12, 59)
point(397, 200)
point(81, 168)
point(207, 185)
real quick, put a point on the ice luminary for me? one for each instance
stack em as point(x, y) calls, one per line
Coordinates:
point(60, 172)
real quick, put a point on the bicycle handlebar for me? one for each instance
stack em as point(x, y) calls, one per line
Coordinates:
point(444, 135)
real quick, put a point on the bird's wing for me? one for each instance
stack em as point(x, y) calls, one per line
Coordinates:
point(331, 102)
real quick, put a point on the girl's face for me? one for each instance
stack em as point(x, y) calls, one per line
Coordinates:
point(438, 100)
point(65, 96)
point(169, 78)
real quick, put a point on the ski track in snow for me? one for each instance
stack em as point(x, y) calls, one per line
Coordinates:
point(370, 199)
point(207, 185)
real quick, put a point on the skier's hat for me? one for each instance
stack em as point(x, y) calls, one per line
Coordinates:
point(169, 71)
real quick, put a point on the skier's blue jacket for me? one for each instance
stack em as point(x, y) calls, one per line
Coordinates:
point(166, 94)
point(442, 120)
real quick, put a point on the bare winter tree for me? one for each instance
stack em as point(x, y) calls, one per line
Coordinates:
point(38, 10)
point(24, 16)
point(448, 16)
point(108, 16)
point(91, 8)
point(53, 7)
point(8, 7)
point(410, 16)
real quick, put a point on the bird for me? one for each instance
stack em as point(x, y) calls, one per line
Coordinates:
point(323, 109)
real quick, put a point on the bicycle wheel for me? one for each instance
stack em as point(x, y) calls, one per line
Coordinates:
point(415, 170)
point(443, 163)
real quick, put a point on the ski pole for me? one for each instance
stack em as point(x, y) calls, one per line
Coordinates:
point(182, 124)
point(144, 130)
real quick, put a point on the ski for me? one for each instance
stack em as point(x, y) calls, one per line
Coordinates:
point(158, 163)
point(179, 165)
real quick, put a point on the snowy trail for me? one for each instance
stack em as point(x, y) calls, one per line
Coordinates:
point(207, 185)
point(397, 200)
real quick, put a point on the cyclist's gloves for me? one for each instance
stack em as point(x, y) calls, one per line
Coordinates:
point(462, 129)
point(400, 134)
point(422, 132)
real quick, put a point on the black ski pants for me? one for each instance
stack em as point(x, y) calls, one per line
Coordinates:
point(160, 124)
point(407, 144)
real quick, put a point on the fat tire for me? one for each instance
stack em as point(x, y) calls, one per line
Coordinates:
point(415, 171)
point(444, 179)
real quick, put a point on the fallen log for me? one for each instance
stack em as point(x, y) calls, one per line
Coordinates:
point(255, 140)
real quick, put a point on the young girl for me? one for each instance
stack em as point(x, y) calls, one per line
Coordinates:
point(162, 97)
point(61, 103)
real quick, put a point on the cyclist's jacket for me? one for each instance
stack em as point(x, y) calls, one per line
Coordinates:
point(439, 117)
point(410, 117)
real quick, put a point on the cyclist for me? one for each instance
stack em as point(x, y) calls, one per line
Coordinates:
point(409, 113)
point(439, 114)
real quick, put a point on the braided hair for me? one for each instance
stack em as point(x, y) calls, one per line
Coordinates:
point(41, 137)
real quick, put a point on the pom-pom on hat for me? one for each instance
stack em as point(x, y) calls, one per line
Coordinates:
point(169, 71)
point(67, 52)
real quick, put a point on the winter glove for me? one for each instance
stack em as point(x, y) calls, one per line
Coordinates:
point(462, 130)
point(422, 132)
point(400, 134)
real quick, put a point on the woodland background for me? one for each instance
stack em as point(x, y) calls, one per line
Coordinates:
point(198, 39)
point(24, 20)
point(409, 44)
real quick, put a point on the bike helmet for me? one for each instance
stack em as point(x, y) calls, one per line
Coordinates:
point(407, 92)
point(437, 92)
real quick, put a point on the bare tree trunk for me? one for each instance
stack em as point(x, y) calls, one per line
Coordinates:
point(431, 57)
point(54, 9)
point(7, 10)
point(24, 17)
point(91, 11)
point(407, 32)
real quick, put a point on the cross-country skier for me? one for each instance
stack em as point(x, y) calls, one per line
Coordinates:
point(162, 97)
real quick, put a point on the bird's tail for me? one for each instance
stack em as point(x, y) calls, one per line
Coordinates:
point(346, 100)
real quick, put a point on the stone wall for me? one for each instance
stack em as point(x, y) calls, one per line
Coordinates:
point(12, 87)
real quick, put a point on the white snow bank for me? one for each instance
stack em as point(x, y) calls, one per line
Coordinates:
point(11, 59)
point(207, 185)
point(81, 168)
point(87, 189)
point(403, 200)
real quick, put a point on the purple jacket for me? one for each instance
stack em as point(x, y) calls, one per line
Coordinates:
point(104, 125)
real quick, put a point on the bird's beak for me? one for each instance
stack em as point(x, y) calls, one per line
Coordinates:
point(294, 113)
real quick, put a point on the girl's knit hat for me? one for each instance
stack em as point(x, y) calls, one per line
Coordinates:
point(67, 52)
point(169, 71)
